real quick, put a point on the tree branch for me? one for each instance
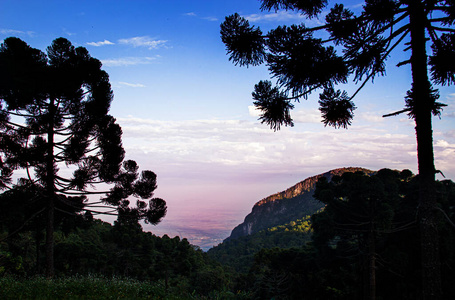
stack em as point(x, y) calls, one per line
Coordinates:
point(402, 63)
point(384, 56)
point(23, 225)
point(397, 112)
point(446, 216)
point(443, 29)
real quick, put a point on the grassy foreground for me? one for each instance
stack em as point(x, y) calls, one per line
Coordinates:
point(92, 287)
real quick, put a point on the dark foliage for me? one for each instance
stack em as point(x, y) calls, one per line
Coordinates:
point(239, 253)
point(302, 63)
point(243, 42)
point(282, 262)
point(336, 108)
point(273, 104)
point(60, 103)
point(310, 8)
point(85, 246)
point(442, 61)
point(336, 264)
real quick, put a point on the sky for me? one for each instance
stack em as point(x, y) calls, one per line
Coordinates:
point(186, 111)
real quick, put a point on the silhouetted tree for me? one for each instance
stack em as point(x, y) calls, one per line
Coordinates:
point(54, 121)
point(359, 207)
point(22, 209)
point(302, 63)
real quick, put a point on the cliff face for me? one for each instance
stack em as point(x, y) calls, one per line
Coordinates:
point(286, 206)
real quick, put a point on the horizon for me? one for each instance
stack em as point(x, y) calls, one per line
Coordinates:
point(187, 114)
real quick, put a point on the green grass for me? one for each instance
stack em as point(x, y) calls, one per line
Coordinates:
point(80, 287)
point(96, 287)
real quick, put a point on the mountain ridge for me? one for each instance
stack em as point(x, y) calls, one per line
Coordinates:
point(291, 204)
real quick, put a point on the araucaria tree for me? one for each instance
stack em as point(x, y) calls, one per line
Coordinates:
point(302, 63)
point(54, 124)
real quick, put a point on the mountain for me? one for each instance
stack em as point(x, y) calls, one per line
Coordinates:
point(239, 253)
point(294, 203)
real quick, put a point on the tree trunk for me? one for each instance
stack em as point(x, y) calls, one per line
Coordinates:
point(372, 264)
point(423, 105)
point(38, 254)
point(166, 280)
point(50, 193)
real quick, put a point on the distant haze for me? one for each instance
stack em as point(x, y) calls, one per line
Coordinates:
point(186, 110)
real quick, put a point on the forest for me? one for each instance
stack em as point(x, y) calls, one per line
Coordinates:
point(385, 234)
point(367, 219)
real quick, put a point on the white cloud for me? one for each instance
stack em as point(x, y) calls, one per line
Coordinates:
point(278, 16)
point(15, 32)
point(196, 159)
point(445, 158)
point(254, 111)
point(213, 19)
point(449, 134)
point(133, 85)
point(143, 41)
point(67, 32)
point(128, 61)
point(192, 14)
point(300, 116)
point(284, 17)
point(101, 43)
point(208, 145)
point(307, 116)
point(371, 117)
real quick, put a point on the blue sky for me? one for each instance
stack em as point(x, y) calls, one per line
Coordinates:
point(186, 111)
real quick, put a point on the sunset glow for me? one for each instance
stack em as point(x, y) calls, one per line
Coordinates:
point(186, 111)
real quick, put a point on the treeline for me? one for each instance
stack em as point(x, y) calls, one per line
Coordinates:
point(239, 253)
point(85, 246)
point(363, 245)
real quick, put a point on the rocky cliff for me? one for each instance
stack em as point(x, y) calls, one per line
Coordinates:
point(286, 206)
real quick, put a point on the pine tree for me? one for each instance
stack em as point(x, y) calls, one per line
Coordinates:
point(55, 125)
point(302, 63)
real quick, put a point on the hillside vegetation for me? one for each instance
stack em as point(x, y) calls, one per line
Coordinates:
point(363, 242)
point(326, 255)
point(289, 205)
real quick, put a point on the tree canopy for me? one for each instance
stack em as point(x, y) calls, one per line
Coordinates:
point(55, 125)
point(302, 63)
point(359, 210)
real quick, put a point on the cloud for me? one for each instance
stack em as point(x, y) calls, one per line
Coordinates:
point(244, 145)
point(446, 153)
point(101, 43)
point(371, 117)
point(307, 116)
point(143, 41)
point(16, 32)
point(299, 116)
point(192, 14)
point(213, 19)
point(128, 61)
point(284, 17)
point(133, 85)
point(278, 16)
point(254, 111)
point(450, 134)
point(67, 32)
point(201, 160)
